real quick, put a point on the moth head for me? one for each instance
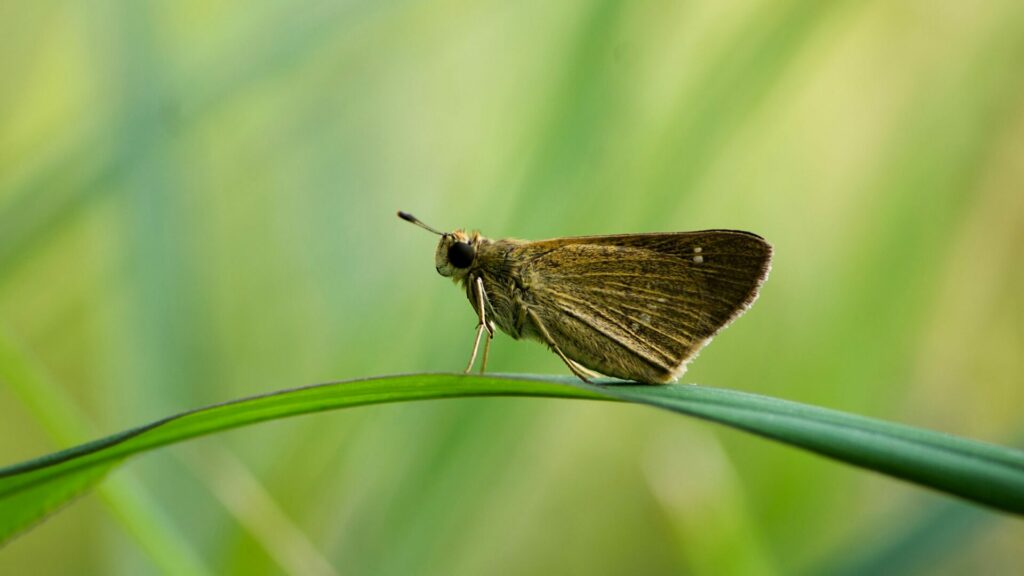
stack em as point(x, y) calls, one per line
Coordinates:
point(456, 251)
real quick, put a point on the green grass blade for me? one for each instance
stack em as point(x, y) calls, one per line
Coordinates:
point(32, 489)
point(975, 471)
point(30, 503)
point(980, 472)
point(55, 411)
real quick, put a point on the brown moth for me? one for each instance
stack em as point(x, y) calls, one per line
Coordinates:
point(632, 306)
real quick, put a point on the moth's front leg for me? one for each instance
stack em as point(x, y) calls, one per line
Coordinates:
point(477, 286)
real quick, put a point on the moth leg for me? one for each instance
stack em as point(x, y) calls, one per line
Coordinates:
point(590, 373)
point(551, 342)
point(487, 347)
point(478, 288)
point(476, 347)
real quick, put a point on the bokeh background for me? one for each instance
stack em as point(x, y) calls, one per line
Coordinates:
point(197, 203)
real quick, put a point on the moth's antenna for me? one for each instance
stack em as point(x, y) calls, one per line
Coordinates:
point(410, 218)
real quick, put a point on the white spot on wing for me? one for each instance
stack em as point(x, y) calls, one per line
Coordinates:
point(698, 259)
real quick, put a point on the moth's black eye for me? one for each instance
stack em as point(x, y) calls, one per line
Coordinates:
point(461, 255)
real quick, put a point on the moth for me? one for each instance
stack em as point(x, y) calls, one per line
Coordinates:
point(634, 306)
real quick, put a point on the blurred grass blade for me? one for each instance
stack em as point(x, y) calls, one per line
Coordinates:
point(52, 407)
point(30, 503)
point(980, 472)
point(34, 488)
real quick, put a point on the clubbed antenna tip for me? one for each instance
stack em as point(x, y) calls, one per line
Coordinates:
point(410, 218)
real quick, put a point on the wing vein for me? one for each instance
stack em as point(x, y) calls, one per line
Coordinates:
point(663, 300)
point(669, 358)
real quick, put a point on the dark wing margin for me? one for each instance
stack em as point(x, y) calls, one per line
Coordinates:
point(641, 306)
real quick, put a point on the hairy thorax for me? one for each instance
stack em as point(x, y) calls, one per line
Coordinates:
point(499, 266)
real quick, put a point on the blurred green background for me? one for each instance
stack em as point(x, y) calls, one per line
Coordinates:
point(197, 203)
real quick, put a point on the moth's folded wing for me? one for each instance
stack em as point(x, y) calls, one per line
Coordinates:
point(646, 304)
